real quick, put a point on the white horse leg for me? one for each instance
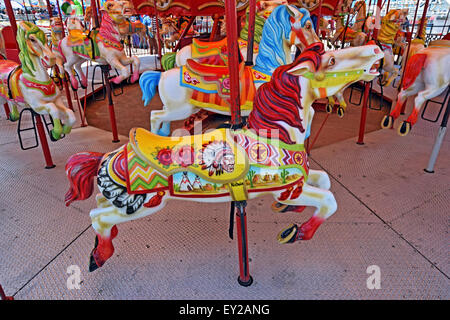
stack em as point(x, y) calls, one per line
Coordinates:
point(175, 99)
point(67, 116)
point(124, 72)
point(51, 109)
point(319, 178)
point(388, 120)
point(419, 101)
point(72, 59)
point(157, 117)
point(104, 221)
point(83, 78)
point(325, 203)
point(135, 62)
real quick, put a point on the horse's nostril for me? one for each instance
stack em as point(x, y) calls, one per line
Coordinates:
point(377, 50)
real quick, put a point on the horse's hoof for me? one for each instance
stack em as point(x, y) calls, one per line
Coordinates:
point(134, 78)
point(329, 108)
point(116, 80)
point(13, 117)
point(54, 136)
point(404, 129)
point(340, 112)
point(288, 235)
point(67, 129)
point(92, 264)
point(386, 122)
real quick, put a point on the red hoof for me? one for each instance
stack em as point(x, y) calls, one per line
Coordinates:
point(74, 83)
point(116, 80)
point(134, 77)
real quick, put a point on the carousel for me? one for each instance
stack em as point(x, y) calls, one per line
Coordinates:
point(247, 123)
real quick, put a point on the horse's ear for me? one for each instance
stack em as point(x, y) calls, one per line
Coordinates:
point(292, 10)
point(301, 68)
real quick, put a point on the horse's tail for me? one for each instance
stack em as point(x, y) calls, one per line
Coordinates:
point(81, 168)
point(168, 60)
point(148, 82)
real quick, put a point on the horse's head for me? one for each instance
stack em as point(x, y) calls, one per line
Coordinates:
point(56, 24)
point(33, 43)
point(74, 23)
point(397, 16)
point(119, 10)
point(302, 28)
point(332, 71)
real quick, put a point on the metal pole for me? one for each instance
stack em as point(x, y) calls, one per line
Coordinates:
point(438, 141)
point(112, 115)
point(215, 27)
point(424, 17)
point(233, 61)
point(66, 78)
point(408, 38)
point(251, 32)
point(362, 124)
point(45, 149)
point(244, 278)
point(49, 9)
point(12, 18)
point(185, 31)
point(157, 33)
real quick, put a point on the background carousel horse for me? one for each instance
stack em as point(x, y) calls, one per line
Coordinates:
point(426, 77)
point(57, 71)
point(263, 11)
point(169, 32)
point(285, 27)
point(102, 45)
point(128, 28)
point(223, 157)
point(29, 85)
point(390, 25)
point(355, 35)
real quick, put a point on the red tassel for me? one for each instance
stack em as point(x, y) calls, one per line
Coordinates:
point(155, 200)
point(285, 194)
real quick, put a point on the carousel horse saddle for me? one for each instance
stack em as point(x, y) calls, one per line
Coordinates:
point(213, 156)
point(201, 49)
point(9, 79)
point(76, 37)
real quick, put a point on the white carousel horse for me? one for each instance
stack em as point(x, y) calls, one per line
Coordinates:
point(139, 178)
point(426, 76)
point(29, 85)
point(286, 26)
point(102, 45)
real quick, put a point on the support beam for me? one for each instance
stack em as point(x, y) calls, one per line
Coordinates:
point(251, 32)
point(233, 61)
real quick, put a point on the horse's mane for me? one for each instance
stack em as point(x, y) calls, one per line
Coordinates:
point(279, 99)
point(23, 32)
point(277, 27)
point(271, 53)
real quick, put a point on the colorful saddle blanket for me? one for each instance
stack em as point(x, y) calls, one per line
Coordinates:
point(211, 85)
point(225, 163)
point(213, 156)
point(82, 44)
point(9, 80)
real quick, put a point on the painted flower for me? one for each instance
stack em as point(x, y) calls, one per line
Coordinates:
point(165, 157)
point(226, 83)
point(184, 156)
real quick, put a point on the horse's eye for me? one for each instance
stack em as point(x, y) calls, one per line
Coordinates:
point(332, 61)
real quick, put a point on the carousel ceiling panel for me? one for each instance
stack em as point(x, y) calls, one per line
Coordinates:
point(186, 7)
point(211, 7)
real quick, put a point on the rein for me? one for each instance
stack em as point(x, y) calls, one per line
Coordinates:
point(331, 79)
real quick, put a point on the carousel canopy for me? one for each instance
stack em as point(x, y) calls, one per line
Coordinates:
point(211, 7)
